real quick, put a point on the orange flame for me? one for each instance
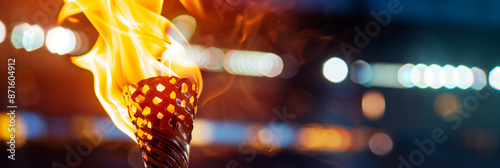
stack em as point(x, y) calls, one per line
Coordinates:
point(133, 45)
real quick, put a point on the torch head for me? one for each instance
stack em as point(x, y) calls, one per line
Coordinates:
point(162, 110)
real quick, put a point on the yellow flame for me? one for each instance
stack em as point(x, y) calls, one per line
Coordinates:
point(133, 45)
point(194, 7)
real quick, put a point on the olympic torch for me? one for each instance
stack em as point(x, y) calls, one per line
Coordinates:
point(142, 76)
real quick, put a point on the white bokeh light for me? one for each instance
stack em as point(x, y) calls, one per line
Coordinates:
point(60, 41)
point(480, 80)
point(253, 63)
point(361, 72)
point(3, 32)
point(16, 38)
point(433, 76)
point(335, 70)
point(276, 66)
point(33, 38)
point(185, 24)
point(418, 77)
point(404, 75)
point(463, 77)
point(494, 78)
point(448, 80)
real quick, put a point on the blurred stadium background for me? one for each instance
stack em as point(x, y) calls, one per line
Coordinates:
point(280, 91)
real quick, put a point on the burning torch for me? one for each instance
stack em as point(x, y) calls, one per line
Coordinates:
point(142, 76)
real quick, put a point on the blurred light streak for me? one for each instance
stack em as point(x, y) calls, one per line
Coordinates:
point(463, 77)
point(404, 75)
point(253, 63)
point(18, 129)
point(335, 70)
point(264, 137)
point(21, 131)
point(385, 75)
point(421, 75)
point(380, 144)
point(60, 40)
point(284, 135)
point(238, 62)
point(373, 105)
point(3, 32)
point(203, 133)
point(480, 80)
point(33, 38)
point(315, 137)
point(494, 78)
point(210, 59)
point(361, 72)
point(4, 124)
point(36, 128)
point(230, 133)
point(241, 62)
point(16, 37)
point(347, 139)
point(82, 44)
point(333, 139)
point(196, 54)
point(77, 125)
point(309, 138)
point(215, 60)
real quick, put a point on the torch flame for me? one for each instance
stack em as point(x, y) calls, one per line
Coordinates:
point(133, 45)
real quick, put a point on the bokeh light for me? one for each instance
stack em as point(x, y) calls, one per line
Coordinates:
point(494, 78)
point(384, 75)
point(463, 77)
point(214, 59)
point(373, 105)
point(36, 127)
point(445, 104)
point(448, 71)
point(418, 76)
point(253, 63)
point(19, 129)
point(186, 24)
point(203, 132)
point(3, 32)
point(60, 40)
point(33, 38)
point(196, 54)
point(380, 144)
point(82, 43)
point(480, 80)
point(361, 72)
point(434, 75)
point(315, 137)
point(16, 38)
point(404, 75)
point(335, 70)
